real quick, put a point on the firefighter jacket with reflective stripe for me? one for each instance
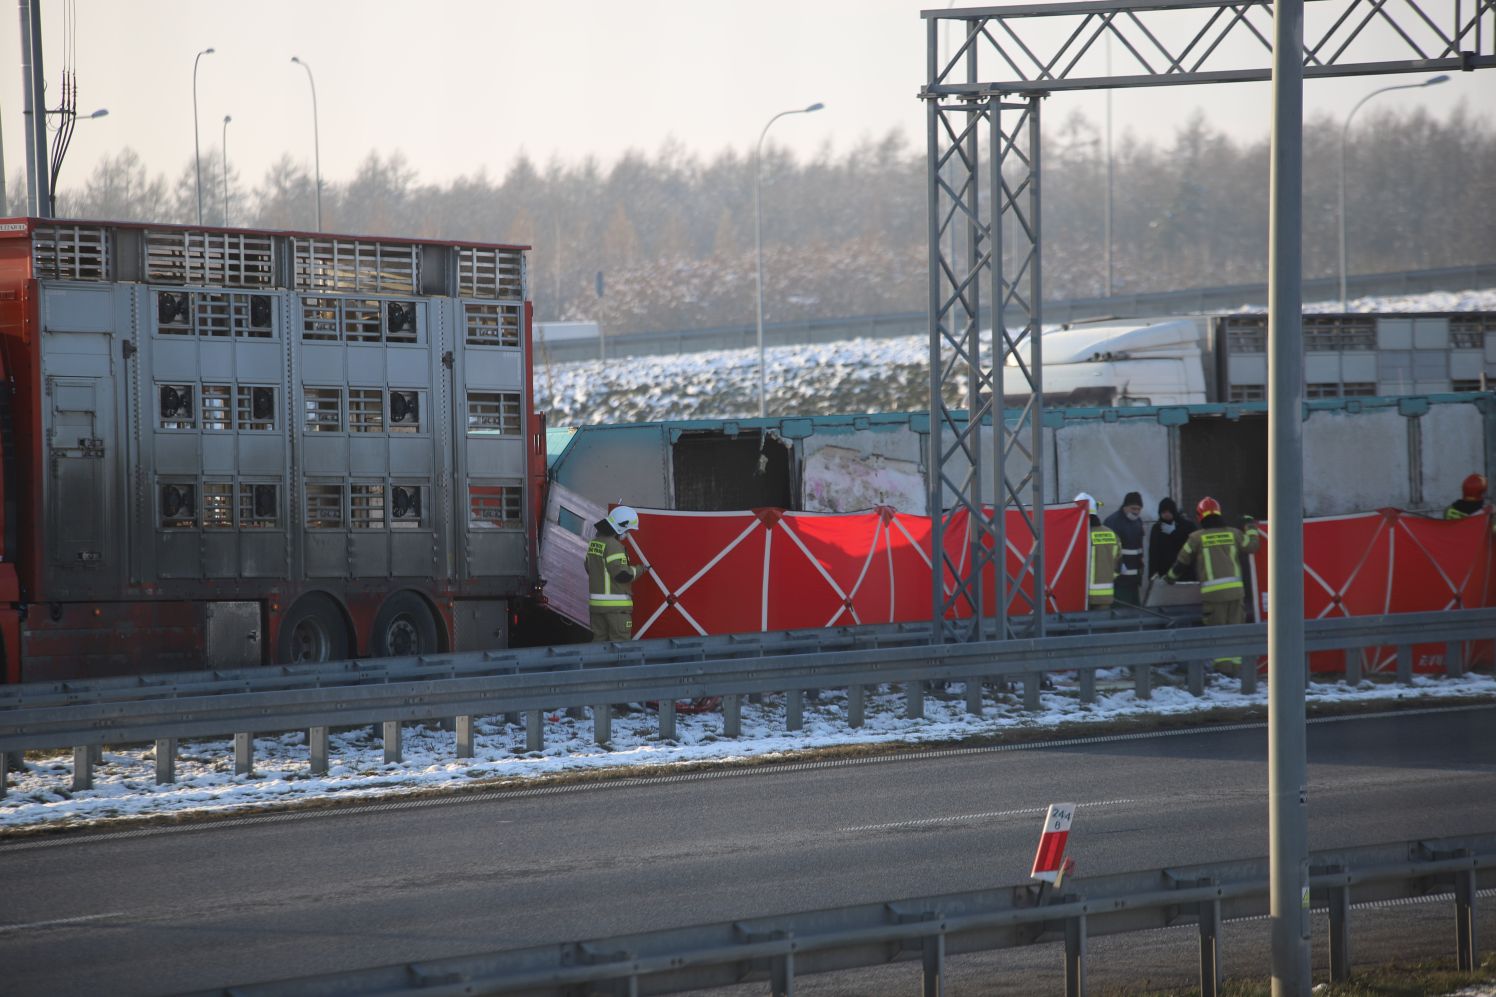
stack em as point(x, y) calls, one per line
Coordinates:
point(610, 577)
point(1464, 508)
point(1218, 550)
point(1130, 535)
point(1105, 549)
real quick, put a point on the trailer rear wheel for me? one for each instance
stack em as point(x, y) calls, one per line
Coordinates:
point(313, 630)
point(404, 627)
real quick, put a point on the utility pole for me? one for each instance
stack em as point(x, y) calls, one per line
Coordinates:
point(1288, 782)
point(34, 111)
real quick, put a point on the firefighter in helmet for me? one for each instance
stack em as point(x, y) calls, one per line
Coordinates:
point(1215, 550)
point(1472, 500)
point(610, 577)
point(1106, 550)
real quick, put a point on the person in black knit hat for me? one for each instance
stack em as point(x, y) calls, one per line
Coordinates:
point(1127, 523)
point(1166, 540)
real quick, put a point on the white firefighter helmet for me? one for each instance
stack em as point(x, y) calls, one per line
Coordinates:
point(623, 518)
point(1088, 500)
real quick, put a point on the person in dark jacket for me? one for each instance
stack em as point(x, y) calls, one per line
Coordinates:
point(1127, 523)
point(1166, 540)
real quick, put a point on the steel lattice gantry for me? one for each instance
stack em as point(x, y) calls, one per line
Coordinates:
point(982, 98)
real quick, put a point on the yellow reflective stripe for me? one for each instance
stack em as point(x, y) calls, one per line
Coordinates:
point(1230, 581)
point(1453, 513)
point(610, 600)
point(1101, 590)
point(616, 557)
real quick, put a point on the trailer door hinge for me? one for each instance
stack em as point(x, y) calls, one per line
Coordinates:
point(129, 348)
point(448, 359)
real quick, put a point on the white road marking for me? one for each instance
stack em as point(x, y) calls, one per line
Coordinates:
point(960, 818)
point(58, 922)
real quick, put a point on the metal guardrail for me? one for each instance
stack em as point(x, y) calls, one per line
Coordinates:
point(551, 658)
point(887, 325)
point(779, 949)
point(508, 688)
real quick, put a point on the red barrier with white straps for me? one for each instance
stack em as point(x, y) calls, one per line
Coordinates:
point(767, 569)
point(1388, 561)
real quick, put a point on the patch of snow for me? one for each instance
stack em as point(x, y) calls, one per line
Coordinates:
point(853, 375)
point(1478, 990)
point(125, 787)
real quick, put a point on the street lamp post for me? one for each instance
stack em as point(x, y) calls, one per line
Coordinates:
point(197, 155)
point(316, 139)
point(758, 251)
point(226, 120)
point(1344, 131)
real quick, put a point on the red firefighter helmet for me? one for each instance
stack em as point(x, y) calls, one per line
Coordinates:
point(1207, 507)
point(1474, 487)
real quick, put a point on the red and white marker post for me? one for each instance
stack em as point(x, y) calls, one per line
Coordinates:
point(1050, 863)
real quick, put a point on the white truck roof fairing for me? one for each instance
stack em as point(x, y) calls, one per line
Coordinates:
point(1167, 338)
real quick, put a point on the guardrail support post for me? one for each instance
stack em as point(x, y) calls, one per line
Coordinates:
point(244, 754)
point(1142, 679)
point(392, 746)
point(1340, 934)
point(1087, 678)
point(974, 696)
point(602, 723)
point(1210, 948)
point(1195, 670)
point(534, 730)
point(794, 709)
point(316, 744)
point(1464, 920)
point(914, 695)
point(1248, 675)
point(166, 760)
point(856, 705)
point(4, 771)
point(1353, 666)
point(1075, 956)
point(933, 979)
point(464, 729)
point(732, 715)
point(1405, 664)
point(782, 975)
point(1033, 684)
point(1454, 658)
point(82, 768)
point(667, 719)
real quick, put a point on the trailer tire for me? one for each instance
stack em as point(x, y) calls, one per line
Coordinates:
point(312, 630)
point(404, 627)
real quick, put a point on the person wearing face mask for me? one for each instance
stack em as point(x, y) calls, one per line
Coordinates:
point(1127, 523)
point(1166, 540)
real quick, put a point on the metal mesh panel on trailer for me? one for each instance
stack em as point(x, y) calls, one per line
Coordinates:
point(70, 252)
point(220, 259)
point(355, 265)
point(490, 273)
point(492, 324)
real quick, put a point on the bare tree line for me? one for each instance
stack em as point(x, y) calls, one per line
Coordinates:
point(672, 233)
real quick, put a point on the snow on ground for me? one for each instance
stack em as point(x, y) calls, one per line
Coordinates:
point(125, 787)
point(849, 376)
point(1479, 990)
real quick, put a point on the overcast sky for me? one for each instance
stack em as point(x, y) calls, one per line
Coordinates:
point(462, 86)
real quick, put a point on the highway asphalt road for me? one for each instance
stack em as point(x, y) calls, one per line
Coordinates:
point(172, 909)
